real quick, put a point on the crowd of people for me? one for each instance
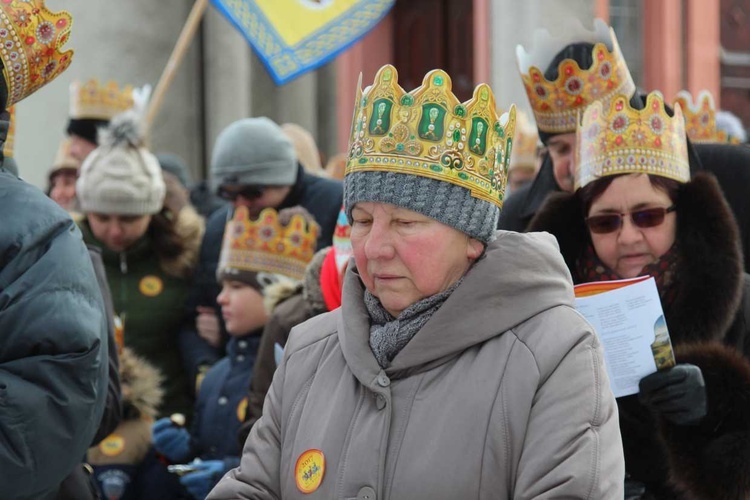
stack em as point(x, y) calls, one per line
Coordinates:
point(398, 324)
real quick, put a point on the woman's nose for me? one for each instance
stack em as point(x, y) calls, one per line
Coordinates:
point(629, 232)
point(379, 243)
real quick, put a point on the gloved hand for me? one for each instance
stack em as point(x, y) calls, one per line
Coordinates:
point(678, 394)
point(171, 441)
point(202, 481)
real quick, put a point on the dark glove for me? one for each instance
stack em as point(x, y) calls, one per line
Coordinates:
point(200, 483)
point(171, 441)
point(677, 394)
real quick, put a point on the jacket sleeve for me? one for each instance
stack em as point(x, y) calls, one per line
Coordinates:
point(113, 408)
point(53, 365)
point(573, 447)
point(712, 460)
point(258, 475)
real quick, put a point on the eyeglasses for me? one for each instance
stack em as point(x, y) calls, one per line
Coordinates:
point(648, 217)
point(247, 192)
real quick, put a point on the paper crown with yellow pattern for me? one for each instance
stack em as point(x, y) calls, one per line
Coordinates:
point(700, 118)
point(32, 37)
point(429, 133)
point(93, 101)
point(266, 245)
point(524, 153)
point(617, 139)
point(556, 104)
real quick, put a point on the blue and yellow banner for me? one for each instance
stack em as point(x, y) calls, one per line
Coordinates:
point(295, 36)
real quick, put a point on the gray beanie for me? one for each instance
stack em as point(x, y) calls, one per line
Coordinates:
point(253, 151)
point(121, 176)
point(448, 203)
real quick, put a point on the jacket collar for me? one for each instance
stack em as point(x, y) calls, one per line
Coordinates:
point(141, 249)
point(297, 193)
point(519, 276)
point(709, 266)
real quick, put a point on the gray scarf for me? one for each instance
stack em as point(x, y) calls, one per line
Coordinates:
point(388, 335)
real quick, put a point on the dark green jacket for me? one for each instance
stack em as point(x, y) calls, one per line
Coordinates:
point(151, 304)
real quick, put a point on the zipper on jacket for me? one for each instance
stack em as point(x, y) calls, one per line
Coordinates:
point(123, 291)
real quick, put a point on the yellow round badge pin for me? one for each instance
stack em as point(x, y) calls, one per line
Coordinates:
point(308, 472)
point(242, 410)
point(112, 445)
point(151, 286)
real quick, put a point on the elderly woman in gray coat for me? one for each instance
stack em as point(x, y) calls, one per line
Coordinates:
point(456, 366)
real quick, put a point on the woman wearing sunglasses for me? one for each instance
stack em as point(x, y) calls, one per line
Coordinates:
point(635, 212)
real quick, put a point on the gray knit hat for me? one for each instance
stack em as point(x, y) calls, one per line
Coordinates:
point(427, 152)
point(445, 202)
point(253, 151)
point(121, 176)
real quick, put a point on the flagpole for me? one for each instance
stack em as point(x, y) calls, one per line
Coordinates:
point(178, 53)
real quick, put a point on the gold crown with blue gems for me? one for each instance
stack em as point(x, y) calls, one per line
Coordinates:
point(428, 132)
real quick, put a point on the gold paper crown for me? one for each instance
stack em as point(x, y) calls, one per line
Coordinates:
point(525, 146)
point(556, 103)
point(10, 140)
point(31, 37)
point(93, 101)
point(616, 139)
point(428, 132)
point(63, 158)
point(700, 117)
point(266, 245)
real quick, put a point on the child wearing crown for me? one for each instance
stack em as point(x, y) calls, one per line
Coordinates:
point(637, 211)
point(319, 292)
point(255, 255)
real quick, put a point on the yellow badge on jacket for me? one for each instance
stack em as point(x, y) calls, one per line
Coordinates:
point(308, 472)
point(151, 286)
point(112, 445)
point(242, 409)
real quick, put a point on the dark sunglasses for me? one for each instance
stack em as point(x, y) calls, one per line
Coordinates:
point(648, 217)
point(247, 192)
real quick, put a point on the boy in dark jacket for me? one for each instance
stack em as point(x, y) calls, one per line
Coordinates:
point(273, 249)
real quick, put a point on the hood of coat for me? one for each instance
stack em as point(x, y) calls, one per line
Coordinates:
point(519, 276)
point(709, 265)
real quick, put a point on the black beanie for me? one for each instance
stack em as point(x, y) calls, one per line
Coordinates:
point(582, 53)
point(86, 128)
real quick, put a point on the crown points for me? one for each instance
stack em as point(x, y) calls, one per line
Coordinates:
point(556, 103)
point(92, 100)
point(700, 117)
point(31, 38)
point(267, 245)
point(614, 138)
point(428, 132)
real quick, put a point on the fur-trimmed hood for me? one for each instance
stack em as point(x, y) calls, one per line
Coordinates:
point(709, 265)
point(190, 227)
point(708, 324)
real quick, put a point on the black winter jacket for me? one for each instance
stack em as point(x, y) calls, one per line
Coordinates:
point(53, 353)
